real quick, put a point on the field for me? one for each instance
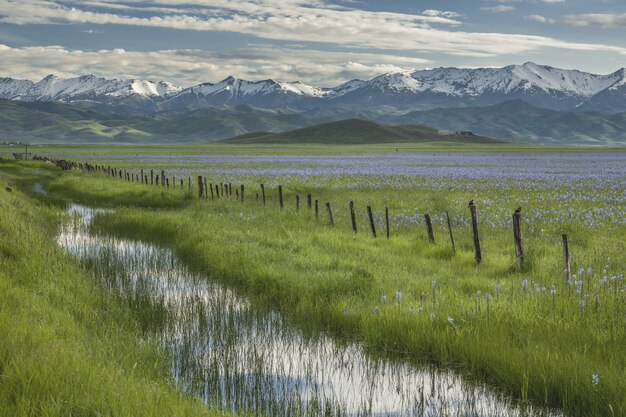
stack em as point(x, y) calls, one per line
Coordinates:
point(396, 311)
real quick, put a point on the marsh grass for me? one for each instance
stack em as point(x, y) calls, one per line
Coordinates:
point(245, 359)
point(67, 348)
point(534, 346)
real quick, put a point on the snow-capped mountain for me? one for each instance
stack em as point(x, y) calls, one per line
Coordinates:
point(539, 85)
point(85, 88)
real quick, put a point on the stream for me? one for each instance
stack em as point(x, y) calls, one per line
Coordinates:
point(237, 358)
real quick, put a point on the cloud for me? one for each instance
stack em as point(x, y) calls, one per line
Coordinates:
point(497, 9)
point(188, 67)
point(596, 19)
point(540, 19)
point(297, 21)
point(440, 13)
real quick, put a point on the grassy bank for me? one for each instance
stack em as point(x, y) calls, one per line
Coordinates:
point(66, 347)
point(534, 344)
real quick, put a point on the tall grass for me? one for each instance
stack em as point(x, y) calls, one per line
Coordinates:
point(538, 347)
point(66, 348)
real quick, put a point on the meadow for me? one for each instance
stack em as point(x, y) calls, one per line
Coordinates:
point(544, 340)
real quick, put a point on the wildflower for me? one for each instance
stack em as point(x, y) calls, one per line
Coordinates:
point(419, 309)
point(345, 313)
point(589, 272)
point(488, 296)
point(582, 306)
point(478, 294)
point(375, 309)
point(450, 320)
point(497, 288)
point(398, 296)
point(579, 286)
point(383, 298)
point(553, 290)
point(524, 283)
point(433, 284)
point(594, 379)
point(432, 315)
point(543, 289)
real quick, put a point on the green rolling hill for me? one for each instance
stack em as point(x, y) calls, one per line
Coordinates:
point(355, 131)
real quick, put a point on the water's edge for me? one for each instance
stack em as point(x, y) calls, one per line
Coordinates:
point(232, 355)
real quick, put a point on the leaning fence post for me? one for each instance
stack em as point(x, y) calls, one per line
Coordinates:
point(450, 232)
point(565, 257)
point(211, 188)
point(387, 220)
point(429, 228)
point(517, 238)
point(200, 188)
point(280, 196)
point(352, 217)
point(371, 217)
point(263, 193)
point(330, 214)
point(477, 253)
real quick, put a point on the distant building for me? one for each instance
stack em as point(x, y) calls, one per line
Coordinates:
point(465, 133)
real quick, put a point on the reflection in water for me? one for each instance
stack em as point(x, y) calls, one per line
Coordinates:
point(241, 359)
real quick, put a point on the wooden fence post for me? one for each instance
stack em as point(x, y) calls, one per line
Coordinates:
point(182, 183)
point(330, 214)
point(142, 176)
point(566, 263)
point(162, 178)
point(353, 217)
point(429, 228)
point(308, 201)
point(280, 196)
point(206, 194)
point(200, 188)
point(371, 217)
point(189, 183)
point(477, 253)
point(263, 193)
point(517, 238)
point(297, 202)
point(316, 210)
point(211, 188)
point(230, 189)
point(387, 220)
point(242, 188)
point(217, 191)
point(450, 232)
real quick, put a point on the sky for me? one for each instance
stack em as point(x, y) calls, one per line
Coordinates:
point(318, 42)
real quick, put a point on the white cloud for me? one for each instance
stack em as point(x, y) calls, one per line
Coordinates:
point(299, 21)
point(540, 19)
point(441, 13)
point(189, 67)
point(597, 19)
point(497, 9)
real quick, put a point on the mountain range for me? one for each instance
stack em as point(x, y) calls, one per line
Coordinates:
point(527, 103)
point(538, 85)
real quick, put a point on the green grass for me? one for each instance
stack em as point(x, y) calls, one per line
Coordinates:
point(66, 347)
point(526, 344)
point(356, 131)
